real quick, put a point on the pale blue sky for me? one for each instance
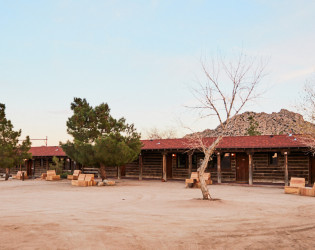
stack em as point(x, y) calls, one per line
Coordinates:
point(142, 57)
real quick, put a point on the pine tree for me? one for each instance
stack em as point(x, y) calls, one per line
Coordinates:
point(253, 125)
point(11, 152)
point(57, 165)
point(99, 139)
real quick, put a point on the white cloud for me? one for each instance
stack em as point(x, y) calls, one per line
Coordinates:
point(301, 73)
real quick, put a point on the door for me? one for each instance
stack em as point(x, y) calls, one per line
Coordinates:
point(312, 169)
point(29, 165)
point(242, 167)
point(169, 167)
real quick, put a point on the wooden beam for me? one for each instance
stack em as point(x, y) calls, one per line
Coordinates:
point(33, 168)
point(140, 167)
point(286, 172)
point(164, 166)
point(219, 167)
point(189, 164)
point(250, 169)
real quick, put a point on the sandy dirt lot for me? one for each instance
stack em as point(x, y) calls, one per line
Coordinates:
point(37, 214)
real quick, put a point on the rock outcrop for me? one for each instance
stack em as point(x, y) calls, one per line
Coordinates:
point(284, 122)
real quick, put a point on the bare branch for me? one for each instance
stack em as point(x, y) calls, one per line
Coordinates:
point(227, 88)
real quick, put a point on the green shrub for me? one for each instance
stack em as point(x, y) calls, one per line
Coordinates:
point(64, 175)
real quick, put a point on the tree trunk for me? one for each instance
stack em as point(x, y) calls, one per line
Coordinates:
point(7, 173)
point(202, 168)
point(118, 172)
point(102, 172)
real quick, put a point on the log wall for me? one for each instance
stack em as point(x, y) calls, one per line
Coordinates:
point(132, 169)
point(152, 165)
point(111, 171)
point(41, 165)
point(263, 172)
point(298, 166)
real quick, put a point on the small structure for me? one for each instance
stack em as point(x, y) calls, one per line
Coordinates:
point(51, 176)
point(84, 180)
point(295, 186)
point(20, 175)
point(194, 180)
point(308, 191)
point(41, 158)
point(75, 175)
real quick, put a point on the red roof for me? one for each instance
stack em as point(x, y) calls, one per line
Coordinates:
point(47, 151)
point(233, 142)
point(262, 141)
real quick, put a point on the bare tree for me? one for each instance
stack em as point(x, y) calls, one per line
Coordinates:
point(154, 134)
point(307, 107)
point(228, 86)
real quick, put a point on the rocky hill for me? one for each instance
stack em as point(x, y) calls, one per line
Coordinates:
point(284, 122)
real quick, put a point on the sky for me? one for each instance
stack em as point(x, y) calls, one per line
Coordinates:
point(143, 58)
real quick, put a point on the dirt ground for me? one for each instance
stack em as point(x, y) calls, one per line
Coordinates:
point(150, 214)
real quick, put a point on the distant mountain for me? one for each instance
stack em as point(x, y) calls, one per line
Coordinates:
point(284, 122)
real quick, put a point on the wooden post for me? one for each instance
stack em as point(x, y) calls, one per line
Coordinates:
point(219, 167)
point(286, 172)
point(189, 164)
point(164, 167)
point(140, 167)
point(70, 165)
point(33, 168)
point(250, 169)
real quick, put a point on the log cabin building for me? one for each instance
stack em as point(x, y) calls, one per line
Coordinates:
point(41, 158)
point(242, 159)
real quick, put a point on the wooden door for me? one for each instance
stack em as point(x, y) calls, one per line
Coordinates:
point(312, 169)
point(242, 167)
point(29, 165)
point(169, 165)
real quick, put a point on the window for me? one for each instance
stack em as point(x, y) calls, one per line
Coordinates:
point(181, 161)
point(212, 164)
point(226, 161)
point(273, 159)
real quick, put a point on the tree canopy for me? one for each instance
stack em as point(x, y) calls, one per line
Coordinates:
point(12, 152)
point(98, 138)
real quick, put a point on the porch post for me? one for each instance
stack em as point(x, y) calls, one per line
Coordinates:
point(286, 172)
point(164, 166)
point(140, 167)
point(189, 164)
point(250, 168)
point(33, 168)
point(219, 167)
